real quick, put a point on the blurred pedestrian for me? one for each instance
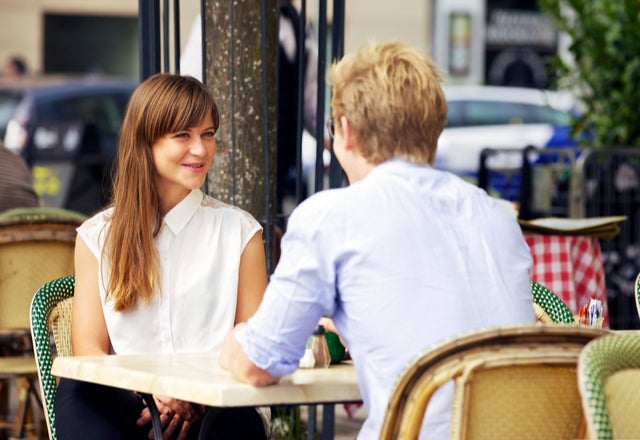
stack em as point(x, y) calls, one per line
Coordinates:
point(164, 269)
point(16, 181)
point(403, 258)
point(15, 67)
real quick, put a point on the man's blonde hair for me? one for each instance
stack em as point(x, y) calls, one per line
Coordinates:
point(392, 97)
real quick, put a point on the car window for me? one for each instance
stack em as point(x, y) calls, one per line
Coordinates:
point(548, 115)
point(454, 114)
point(477, 113)
point(104, 110)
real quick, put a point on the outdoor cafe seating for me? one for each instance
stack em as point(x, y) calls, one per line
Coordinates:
point(36, 245)
point(510, 382)
point(609, 384)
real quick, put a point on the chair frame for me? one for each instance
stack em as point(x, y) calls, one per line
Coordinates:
point(43, 306)
point(448, 361)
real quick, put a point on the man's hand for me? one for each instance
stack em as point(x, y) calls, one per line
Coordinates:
point(234, 359)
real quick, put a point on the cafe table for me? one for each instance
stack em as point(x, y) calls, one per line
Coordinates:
point(198, 378)
point(571, 266)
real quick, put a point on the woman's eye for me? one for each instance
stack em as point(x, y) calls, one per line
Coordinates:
point(182, 135)
point(210, 133)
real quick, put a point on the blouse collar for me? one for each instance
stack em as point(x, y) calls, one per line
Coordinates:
point(179, 216)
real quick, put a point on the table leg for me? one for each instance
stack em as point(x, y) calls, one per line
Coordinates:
point(328, 421)
point(155, 415)
point(311, 421)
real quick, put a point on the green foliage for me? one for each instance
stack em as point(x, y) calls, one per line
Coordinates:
point(605, 70)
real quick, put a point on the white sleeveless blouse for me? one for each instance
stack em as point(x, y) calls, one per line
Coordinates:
point(199, 248)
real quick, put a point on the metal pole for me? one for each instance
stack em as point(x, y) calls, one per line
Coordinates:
point(322, 65)
point(268, 236)
point(336, 174)
point(149, 36)
point(165, 35)
point(176, 36)
point(301, 37)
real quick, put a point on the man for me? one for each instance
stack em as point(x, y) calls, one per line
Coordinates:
point(16, 182)
point(404, 257)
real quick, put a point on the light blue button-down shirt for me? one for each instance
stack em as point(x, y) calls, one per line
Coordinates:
point(401, 260)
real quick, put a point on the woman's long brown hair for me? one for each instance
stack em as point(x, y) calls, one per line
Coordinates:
point(163, 103)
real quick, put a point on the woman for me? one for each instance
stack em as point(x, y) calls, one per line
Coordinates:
point(164, 269)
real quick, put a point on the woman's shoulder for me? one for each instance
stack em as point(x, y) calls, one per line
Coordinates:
point(218, 207)
point(97, 220)
point(91, 230)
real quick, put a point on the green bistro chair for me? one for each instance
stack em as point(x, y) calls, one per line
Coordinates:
point(42, 214)
point(51, 309)
point(36, 246)
point(548, 306)
point(609, 385)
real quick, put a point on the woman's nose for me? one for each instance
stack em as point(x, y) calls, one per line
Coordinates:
point(197, 147)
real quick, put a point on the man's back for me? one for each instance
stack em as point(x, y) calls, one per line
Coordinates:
point(418, 256)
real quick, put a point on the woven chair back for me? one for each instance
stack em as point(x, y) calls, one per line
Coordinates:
point(509, 382)
point(60, 323)
point(36, 246)
point(609, 384)
point(549, 307)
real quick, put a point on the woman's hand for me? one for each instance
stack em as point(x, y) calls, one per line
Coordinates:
point(174, 414)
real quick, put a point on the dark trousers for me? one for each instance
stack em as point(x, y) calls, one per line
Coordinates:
point(84, 410)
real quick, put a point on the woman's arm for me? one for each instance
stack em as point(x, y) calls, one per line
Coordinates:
point(252, 278)
point(89, 334)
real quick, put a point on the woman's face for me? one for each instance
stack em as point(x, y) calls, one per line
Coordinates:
point(182, 160)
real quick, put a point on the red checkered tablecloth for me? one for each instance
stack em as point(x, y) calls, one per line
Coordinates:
point(571, 266)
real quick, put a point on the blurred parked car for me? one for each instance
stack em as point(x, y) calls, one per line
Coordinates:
point(66, 129)
point(482, 117)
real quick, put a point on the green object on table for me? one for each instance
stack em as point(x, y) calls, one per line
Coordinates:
point(336, 349)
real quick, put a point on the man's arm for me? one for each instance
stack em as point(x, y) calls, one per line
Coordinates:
point(234, 359)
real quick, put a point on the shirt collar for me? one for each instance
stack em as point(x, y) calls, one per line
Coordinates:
point(179, 216)
point(397, 165)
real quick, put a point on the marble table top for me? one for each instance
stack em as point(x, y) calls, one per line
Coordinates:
point(198, 378)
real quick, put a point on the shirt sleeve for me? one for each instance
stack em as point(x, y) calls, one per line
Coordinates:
point(92, 232)
point(249, 226)
point(300, 292)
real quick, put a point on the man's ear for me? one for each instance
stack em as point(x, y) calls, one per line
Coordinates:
point(347, 134)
